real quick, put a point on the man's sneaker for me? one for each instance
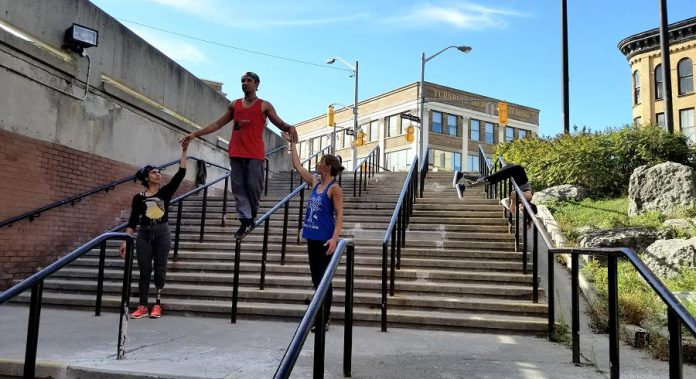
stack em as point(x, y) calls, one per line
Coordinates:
point(460, 190)
point(456, 178)
point(156, 311)
point(245, 228)
point(505, 203)
point(472, 178)
point(140, 312)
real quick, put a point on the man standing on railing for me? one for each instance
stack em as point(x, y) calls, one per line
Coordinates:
point(246, 149)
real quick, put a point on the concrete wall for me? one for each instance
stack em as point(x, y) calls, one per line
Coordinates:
point(59, 141)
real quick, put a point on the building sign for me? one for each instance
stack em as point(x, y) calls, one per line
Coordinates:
point(478, 103)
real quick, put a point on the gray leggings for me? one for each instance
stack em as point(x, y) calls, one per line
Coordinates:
point(246, 178)
point(152, 244)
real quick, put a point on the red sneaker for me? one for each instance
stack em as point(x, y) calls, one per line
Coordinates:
point(140, 312)
point(156, 311)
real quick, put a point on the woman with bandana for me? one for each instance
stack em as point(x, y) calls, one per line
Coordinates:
point(150, 210)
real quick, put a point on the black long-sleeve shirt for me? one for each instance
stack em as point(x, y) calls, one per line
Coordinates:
point(146, 210)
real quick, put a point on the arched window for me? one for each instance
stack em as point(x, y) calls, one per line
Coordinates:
point(636, 88)
point(685, 72)
point(658, 82)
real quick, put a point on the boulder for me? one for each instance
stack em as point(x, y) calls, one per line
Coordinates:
point(665, 187)
point(637, 239)
point(666, 257)
point(678, 224)
point(564, 192)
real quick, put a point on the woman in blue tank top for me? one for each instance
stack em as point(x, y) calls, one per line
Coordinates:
point(323, 218)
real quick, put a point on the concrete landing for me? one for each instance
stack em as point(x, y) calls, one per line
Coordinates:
point(75, 344)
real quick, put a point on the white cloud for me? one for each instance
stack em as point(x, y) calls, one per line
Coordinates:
point(202, 8)
point(459, 15)
point(172, 47)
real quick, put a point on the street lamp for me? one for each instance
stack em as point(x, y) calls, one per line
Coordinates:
point(354, 69)
point(421, 112)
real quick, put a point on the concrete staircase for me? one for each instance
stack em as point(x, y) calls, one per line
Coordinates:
point(459, 269)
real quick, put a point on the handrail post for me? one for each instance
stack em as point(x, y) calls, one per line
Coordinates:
point(224, 201)
point(299, 218)
point(399, 234)
point(675, 345)
point(525, 218)
point(517, 223)
point(125, 298)
point(348, 317)
point(550, 297)
point(384, 286)
point(392, 263)
point(235, 280)
point(177, 230)
point(264, 253)
point(284, 244)
point(575, 308)
point(100, 278)
point(355, 172)
point(319, 342)
point(265, 186)
point(205, 205)
point(535, 265)
point(33, 330)
point(613, 288)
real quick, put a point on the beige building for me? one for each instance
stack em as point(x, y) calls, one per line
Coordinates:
point(456, 123)
point(643, 53)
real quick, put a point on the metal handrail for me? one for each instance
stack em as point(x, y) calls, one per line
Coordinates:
point(35, 282)
point(424, 171)
point(397, 234)
point(265, 219)
point(315, 313)
point(367, 167)
point(677, 314)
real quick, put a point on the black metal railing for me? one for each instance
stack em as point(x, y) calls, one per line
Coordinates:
point(315, 314)
point(677, 315)
point(424, 171)
point(396, 233)
point(36, 282)
point(364, 170)
point(265, 219)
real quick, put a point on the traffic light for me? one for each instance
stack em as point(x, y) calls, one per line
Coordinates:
point(502, 113)
point(330, 116)
point(409, 133)
point(360, 138)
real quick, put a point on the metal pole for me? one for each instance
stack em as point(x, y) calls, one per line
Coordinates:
point(235, 280)
point(125, 298)
point(33, 330)
point(354, 152)
point(675, 345)
point(348, 317)
point(666, 71)
point(421, 111)
point(575, 308)
point(564, 52)
point(100, 278)
point(613, 288)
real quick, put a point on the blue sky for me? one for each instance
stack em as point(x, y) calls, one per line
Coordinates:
point(515, 57)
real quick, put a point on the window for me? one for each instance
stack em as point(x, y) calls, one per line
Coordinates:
point(686, 124)
point(399, 160)
point(658, 82)
point(636, 88)
point(490, 135)
point(685, 72)
point(661, 122)
point(452, 125)
point(374, 131)
point(509, 134)
point(472, 164)
point(444, 160)
point(521, 133)
point(636, 121)
point(393, 127)
point(437, 122)
point(475, 131)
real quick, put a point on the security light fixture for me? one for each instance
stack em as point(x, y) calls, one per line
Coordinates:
point(78, 38)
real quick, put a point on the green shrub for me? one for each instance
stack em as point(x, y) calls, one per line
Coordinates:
point(602, 162)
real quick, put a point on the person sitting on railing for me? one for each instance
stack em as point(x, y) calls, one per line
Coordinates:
point(513, 171)
point(324, 218)
point(150, 210)
point(246, 148)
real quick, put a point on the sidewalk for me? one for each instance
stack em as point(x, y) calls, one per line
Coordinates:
point(77, 344)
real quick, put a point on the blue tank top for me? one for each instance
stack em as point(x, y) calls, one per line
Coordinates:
point(319, 222)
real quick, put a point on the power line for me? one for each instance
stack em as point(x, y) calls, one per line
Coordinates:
point(235, 47)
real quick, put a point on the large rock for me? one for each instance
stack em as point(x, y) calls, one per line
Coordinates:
point(564, 192)
point(666, 257)
point(664, 187)
point(637, 239)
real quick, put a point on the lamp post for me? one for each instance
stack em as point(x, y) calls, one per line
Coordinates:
point(421, 112)
point(354, 70)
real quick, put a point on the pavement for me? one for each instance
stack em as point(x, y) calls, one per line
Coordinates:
point(76, 344)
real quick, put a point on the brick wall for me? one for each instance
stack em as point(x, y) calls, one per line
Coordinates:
point(34, 173)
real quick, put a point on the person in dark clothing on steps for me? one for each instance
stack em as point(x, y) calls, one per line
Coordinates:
point(150, 211)
point(324, 218)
